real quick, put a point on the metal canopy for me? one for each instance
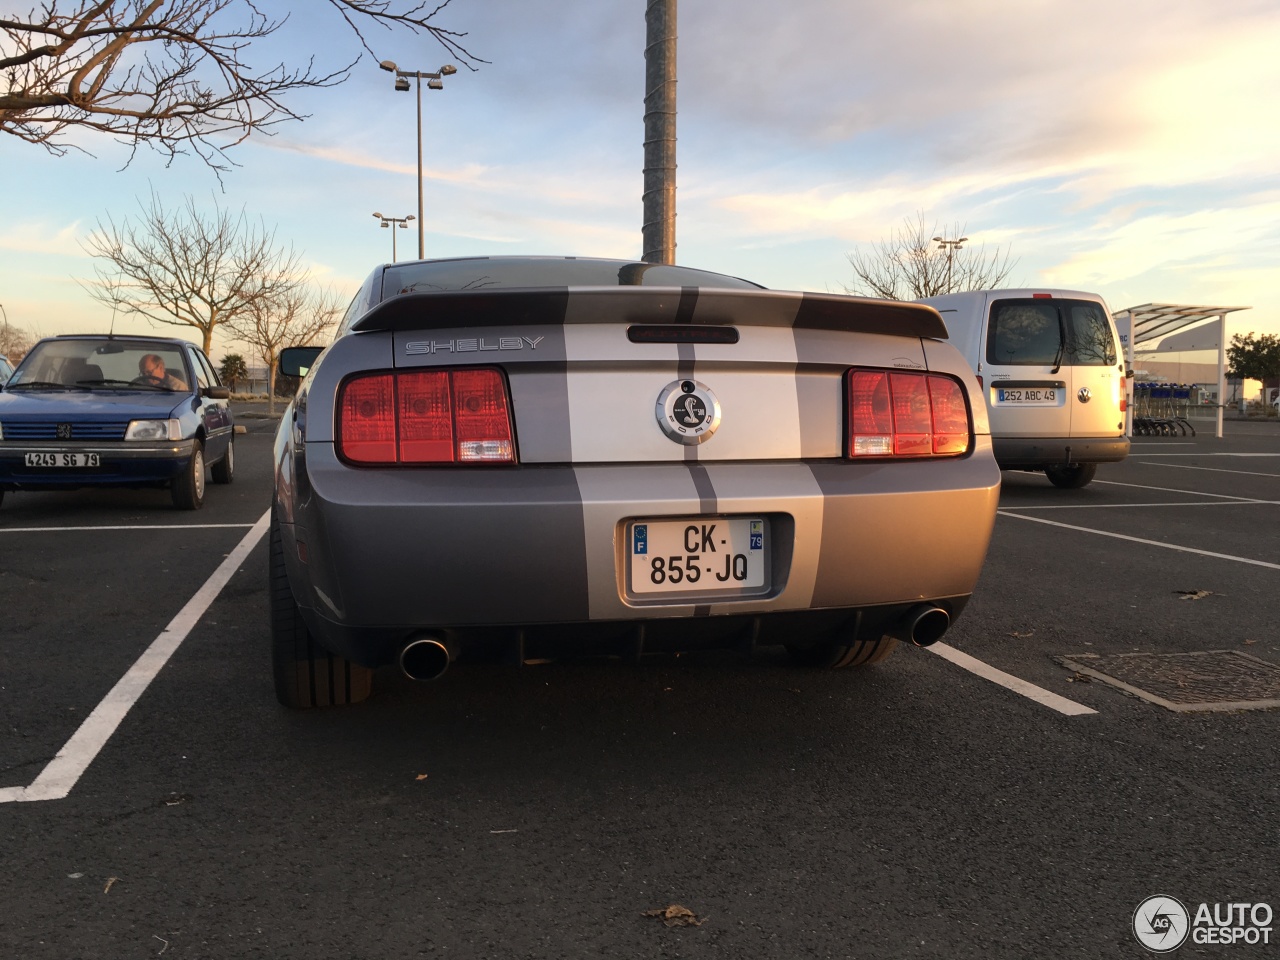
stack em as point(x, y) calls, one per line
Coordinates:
point(1151, 321)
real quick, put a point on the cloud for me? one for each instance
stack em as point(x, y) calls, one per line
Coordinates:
point(33, 236)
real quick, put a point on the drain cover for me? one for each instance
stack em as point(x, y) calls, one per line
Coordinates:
point(1186, 682)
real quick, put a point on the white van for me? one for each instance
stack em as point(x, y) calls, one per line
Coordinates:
point(1049, 364)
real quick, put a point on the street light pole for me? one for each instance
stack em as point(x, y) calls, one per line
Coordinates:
point(434, 82)
point(951, 246)
point(393, 222)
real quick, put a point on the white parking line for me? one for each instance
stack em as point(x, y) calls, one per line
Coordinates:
point(139, 526)
point(1029, 690)
point(1190, 493)
point(1242, 473)
point(57, 779)
point(1149, 543)
point(1127, 506)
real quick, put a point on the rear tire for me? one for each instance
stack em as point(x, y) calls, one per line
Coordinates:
point(224, 471)
point(187, 490)
point(834, 654)
point(305, 674)
point(1073, 477)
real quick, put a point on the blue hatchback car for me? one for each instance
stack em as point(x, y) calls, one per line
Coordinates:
point(97, 410)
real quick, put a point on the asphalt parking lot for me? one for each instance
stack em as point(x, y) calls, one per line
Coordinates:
point(982, 798)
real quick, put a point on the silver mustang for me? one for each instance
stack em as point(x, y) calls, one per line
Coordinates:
point(535, 456)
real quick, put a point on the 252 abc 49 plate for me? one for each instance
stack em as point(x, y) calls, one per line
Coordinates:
point(58, 460)
point(698, 556)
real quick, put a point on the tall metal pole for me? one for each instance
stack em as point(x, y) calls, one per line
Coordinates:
point(422, 248)
point(658, 233)
point(434, 82)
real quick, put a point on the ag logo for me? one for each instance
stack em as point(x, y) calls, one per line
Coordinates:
point(1161, 924)
point(688, 411)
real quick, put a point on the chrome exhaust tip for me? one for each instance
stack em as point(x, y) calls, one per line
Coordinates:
point(426, 657)
point(923, 625)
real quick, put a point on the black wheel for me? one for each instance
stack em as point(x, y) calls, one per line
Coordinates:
point(306, 675)
point(1073, 477)
point(188, 489)
point(833, 654)
point(224, 471)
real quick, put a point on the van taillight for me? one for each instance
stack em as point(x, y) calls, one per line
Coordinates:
point(898, 414)
point(426, 416)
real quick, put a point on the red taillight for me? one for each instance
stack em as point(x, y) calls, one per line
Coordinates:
point(367, 414)
point(896, 414)
point(426, 416)
point(480, 411)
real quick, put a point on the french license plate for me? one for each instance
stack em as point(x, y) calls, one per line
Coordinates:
point(1029, 396)
point(63, 460)
point(698, 555)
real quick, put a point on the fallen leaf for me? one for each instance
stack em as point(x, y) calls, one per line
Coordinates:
point(110, 883)
point(173, 799)
point(1022, 636)
point(1249, 643)
point(1194, 594)
point(1079, 678)
point(676, 916)
point(421, 776)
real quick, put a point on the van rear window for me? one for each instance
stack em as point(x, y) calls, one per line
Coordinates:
point(1042, 332)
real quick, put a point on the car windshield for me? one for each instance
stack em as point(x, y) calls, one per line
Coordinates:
point(489, 273)
point(101, 364)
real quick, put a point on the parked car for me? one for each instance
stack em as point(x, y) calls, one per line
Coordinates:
point(531, 456)
point(1051, 375)
point(6, 370)
point(96, 410)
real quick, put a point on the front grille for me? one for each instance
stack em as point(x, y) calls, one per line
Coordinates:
point(48, 430)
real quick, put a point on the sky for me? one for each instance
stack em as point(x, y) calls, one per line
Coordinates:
point(1128, 149)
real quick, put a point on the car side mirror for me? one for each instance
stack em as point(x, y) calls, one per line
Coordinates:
point(296, 361)
point(216, 393)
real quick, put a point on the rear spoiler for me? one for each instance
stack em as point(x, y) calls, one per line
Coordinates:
point(651, 305)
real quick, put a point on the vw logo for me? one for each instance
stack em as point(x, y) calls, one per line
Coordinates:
point(688, 411)
point(1085, 395)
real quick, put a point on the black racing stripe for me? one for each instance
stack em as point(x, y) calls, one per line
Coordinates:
point(684, 370)
point(707, 502)
point(688, 303)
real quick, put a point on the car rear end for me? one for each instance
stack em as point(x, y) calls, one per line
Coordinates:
point(611, 470)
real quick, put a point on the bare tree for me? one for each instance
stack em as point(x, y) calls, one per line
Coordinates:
point(912, 264)
point(14, 342)
point(170, 74)
point(189, 269)
point(300, 315)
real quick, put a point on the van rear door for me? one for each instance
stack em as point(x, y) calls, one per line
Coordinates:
point(1027, 376)
point(1097, 379)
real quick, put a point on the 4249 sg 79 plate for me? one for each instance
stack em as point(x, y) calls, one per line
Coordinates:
point(699, 555)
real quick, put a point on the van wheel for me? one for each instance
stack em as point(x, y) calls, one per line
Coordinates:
point(1073, 477)
point(833, 655)
point(305, 674)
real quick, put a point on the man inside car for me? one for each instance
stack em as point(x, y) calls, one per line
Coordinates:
point(151, 367)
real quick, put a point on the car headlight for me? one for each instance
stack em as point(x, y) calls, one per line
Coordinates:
point(154, 430)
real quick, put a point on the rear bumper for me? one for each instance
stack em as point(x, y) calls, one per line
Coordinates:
point(1039, 452)
point(121, 463)
point(389, 552)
